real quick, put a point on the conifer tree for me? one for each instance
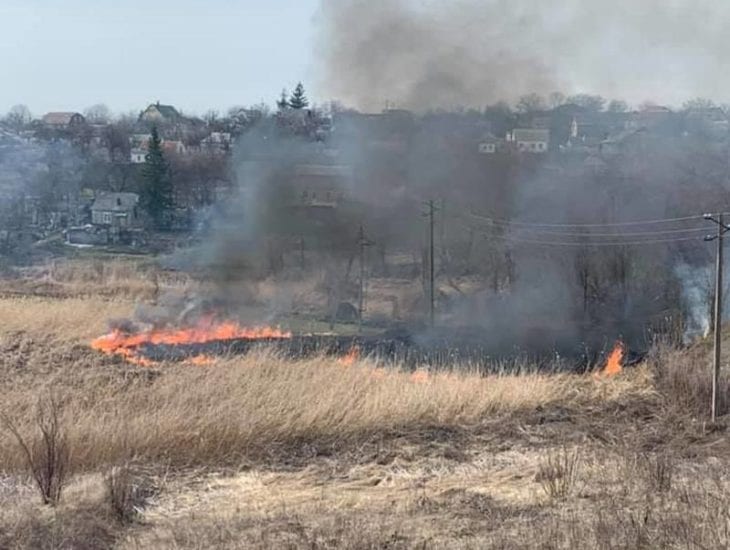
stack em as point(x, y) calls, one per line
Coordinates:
point(156, 193)
point(298, 100)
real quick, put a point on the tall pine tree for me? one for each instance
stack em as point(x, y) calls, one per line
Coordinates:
point(298, 100)
point(156, 193)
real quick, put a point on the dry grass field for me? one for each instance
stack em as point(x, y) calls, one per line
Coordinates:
point(262, 452)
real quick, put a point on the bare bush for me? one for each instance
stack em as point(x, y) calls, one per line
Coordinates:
point(659, 472)
point(47, 457)
point(558, 474)
point(684, 379)
point(127, 491)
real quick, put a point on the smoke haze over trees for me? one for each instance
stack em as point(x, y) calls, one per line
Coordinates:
point(470, 53)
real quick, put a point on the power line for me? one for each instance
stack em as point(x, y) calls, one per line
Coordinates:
point(614, 234)
point(508, 223)
point(589, 244)
point(585, 244)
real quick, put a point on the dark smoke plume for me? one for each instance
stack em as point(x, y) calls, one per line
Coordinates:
point(445, 54)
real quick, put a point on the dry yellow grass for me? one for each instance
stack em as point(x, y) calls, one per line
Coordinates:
point(249, 406)
point(261, 452)
point(71, 319)
point(110, 278)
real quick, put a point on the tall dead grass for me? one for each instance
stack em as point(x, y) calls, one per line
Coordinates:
point(261, 405)
point(72, 319)
point(110, 278)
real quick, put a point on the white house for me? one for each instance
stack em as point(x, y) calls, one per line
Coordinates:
point(137, 156)
point(488, 144)
point(530, 140)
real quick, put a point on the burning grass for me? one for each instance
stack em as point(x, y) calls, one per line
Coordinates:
point(249, 407)
point(258, 451)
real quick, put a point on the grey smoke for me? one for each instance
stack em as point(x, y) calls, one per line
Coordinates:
point(696, 290)
point(442, 54)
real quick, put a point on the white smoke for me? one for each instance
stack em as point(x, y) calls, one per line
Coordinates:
point(697, 294)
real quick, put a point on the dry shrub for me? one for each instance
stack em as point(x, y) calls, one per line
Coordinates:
point(47, 456)
point(684, 378)
point(127, 491)
point(659, 472)
point(81, 521)
point(559, 472)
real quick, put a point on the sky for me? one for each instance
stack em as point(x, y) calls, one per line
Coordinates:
point(194, 54)
point(419, 54)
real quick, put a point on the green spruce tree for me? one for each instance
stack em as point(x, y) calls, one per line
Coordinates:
point(298, 100)
point(156, 193)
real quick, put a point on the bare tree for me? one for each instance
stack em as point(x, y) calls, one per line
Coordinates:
point(98, 114)
point(556, 99)
point(530, 103)
point(18, 117)
point(698, 104)
point(590, 102)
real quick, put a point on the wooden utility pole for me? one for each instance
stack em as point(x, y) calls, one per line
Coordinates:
point(362, 242)
point(431, 264)
point(717, 314)
point(718, 319)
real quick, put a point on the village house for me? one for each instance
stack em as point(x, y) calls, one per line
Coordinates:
point(530, 140)
point(61, 120)
point(115, 210)
point(489, 144)
point(216, 142)
point(157, 113)
point(137, 156)
point(173, 147)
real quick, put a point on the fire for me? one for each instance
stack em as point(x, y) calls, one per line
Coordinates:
point(202, 360)
point(420, 376)
point(208, 329)
point(351, 356)
point(613, 363)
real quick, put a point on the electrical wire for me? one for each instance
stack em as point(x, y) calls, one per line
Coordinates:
point(508, 223)
point(605, 243)
point(614, 234)
point(509, 238)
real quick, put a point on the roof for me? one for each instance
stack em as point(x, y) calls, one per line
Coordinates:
point(489, 137)
point(530, 134)
point(59, 118)
point(116, 202)
point(167, 111)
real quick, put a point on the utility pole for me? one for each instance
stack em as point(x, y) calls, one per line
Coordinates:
point(721, 230)
point(363, 243)
point(431, 265)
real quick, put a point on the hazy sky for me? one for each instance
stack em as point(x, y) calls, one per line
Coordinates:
point(195, 54)
point(202, 54)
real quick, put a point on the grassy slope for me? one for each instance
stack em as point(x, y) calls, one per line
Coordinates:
point(258, 452)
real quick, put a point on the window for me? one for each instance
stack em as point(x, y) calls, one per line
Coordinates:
point(106, 218)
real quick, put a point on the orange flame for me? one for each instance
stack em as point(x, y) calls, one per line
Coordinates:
point(613, 363)
point(420, 376)
point(351, 356)
point(126, 344)
point(202, 360)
